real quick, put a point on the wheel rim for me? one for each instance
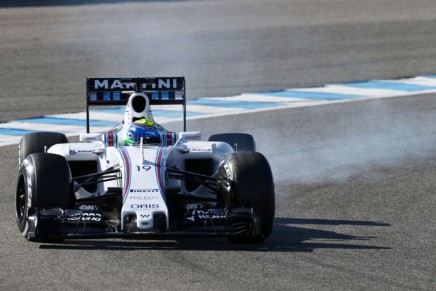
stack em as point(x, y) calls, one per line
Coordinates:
point(225, 188)
point(21, 200)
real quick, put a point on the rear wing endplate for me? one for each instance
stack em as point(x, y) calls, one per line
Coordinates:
point(160, 91)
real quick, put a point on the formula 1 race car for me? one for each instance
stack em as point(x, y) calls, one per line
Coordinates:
point(140, 180)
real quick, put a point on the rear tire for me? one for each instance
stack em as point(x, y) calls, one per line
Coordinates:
point(44, 181)
point(243, 142)
point(253, 186)
point(35, 142)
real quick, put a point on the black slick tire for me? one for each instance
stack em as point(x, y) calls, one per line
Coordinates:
point(253, 186)
point(36, 142)
point(44, 182)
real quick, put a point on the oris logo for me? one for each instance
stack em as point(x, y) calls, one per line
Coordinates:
point(144, 206)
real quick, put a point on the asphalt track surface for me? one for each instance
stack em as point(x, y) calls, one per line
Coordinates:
point(355, 181)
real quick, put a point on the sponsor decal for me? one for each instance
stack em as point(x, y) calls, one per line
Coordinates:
point(144, 190)
point(201, 150)
point(143, 198)
point(73, 152)
point(206, 215)
point(88, 207)
point(118, 84)
point(84, 216)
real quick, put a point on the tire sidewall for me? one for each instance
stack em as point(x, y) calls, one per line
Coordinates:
point(253, 186)
point(26, 179)
point(46, 183)
point(35, 142)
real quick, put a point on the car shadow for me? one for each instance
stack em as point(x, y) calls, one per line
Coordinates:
point(287, 236)
point(45, 3)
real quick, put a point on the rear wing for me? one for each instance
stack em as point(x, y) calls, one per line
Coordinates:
point(160, 91)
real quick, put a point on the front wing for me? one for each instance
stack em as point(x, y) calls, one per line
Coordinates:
point(75, 223)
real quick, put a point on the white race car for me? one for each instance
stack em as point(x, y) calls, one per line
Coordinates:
point(140, 180)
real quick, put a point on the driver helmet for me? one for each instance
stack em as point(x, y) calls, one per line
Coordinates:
point(143, 128)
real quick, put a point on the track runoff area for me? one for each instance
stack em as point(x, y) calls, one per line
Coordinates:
point(73, 124)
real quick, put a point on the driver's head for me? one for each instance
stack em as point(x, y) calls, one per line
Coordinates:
point(145, 129)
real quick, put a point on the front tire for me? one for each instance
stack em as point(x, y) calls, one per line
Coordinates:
point(44, 181)
point(36, 142)
point(253, 186)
